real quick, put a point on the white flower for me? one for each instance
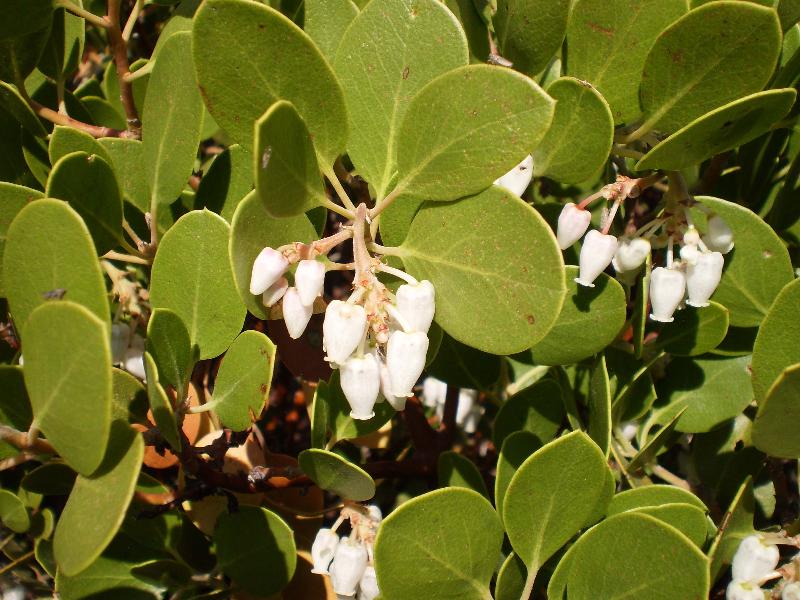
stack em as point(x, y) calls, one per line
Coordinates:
point(133, 360)
point(596, 253)
point(754, 559)
point(275, 292)
point(743, 590)
point(397, 402)
point(667, 287)
point(405, 360)
point(691, 237)
point(368, 586)
point(791, 591)
point(268, 267)
point(344, 327)
point(469, 412)
point(416, 304)
point(629, 429)
point(518, 178)
point(630, 254)
point(295, 313)
point(120, 338)
point(702, 278)
point(689, 254)
point(719, 237)
point(572, 224)
point(375, 513)
point(360, 381)
point(349, 564)
point(309, 278)
point(323, 549)
point(433, 392)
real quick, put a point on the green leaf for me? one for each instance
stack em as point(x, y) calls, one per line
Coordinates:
point(599, 404)
point(775, 348)
point(271, 542)
point(243, 380)
point(635, 551)
point(255, 50)
point(13, 513)
point(287, 175)
point(130, 398)
point(665, 437)
point(160, 404)
point(340, 422)
point(590, 319)
point(68, 376)
point(389, 53)
point(465, 367)
point(15, 409)
point(64, 50)
point(169, 344)
point(581, 114)
point(474, 27)
point(608, 42)
point(537, 409)
point(515, 23)
point(50, 479)
point(325, 22)
point(443, 544)
point(104, 113)
point(13, 198)
point(478, 122)
point(686, 518)
point(455, 470)
point(333, 473)
point(560, 489)
point(757, 268)
point(712, 389)
point(23, 16)
point(192, 276)
point(739, 524)
point(775, 427)
point(694, 331)
point(722, 129)
point(652, 495)
point(171, 120)
point(226, 182)
point(711, 56)
point(127, 158)
point(97, 504)
point(319, 415)
point(516, 448)
point(20, 55)
point(88, 183)
point(510, 579)
point(17, 107)
point(66, 140)
point(489, 294)
point(252, 229)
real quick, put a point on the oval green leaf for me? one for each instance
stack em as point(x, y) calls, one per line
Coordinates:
point(13, 198)
point(333, 473)
point(517, 447)
point(160, 404)
point(325, 22)
point(13, 513)
point(739, 524)
point(127, 158)
point(537, 409)
point(227, 181)
point(686, 518)
point(456, 470)
point(775, 427)
point(66, 140)
point(169, 344)
point(510, 579)
point(515, 22)
point(694, 331)
point(53, 478)
point(652, 495)
point(340, 422)
point(599, 404)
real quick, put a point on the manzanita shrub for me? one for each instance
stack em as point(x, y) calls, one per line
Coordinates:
point(400, 299)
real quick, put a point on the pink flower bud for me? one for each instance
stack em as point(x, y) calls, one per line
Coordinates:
point(631, 254)
point(295, 313)
point(268, 267)
point(518, 178)
point(360, 380)
point(719, 237)
point(349, 564)
point(323, 550)
point(702, 278)
point(344, 327)
point(405, 359)
point(309, 278)
point(667, 287)
point(416, 304)
point(596, 253)
point(754, 559)
point(275, 292)
point(368, 586)
point(572, 224)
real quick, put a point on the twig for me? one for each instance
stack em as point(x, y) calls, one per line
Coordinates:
point(83, 13)
point(14, 564)
point(112, 255)
point(60, 119)
point(135, 11)
point(447, 428)
point(19, 439)
point(119, 47)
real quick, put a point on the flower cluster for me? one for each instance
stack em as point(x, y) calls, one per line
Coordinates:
point(469, 411)
point(755, 563)
point(348, 561)
point(689, 278)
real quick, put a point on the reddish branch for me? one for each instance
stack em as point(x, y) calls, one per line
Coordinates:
point(120, 50)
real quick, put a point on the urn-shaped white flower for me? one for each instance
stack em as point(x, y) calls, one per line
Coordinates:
point(416, 303)
point(349, 564)
point(743, 590)
point(690, 253)
point(133, 359)
point(398, 402)
point(630, 254)
point(754, 559)
point(323, 549)
point(596, 253)
point(120, 338)
point(361, 381)
point(667, 287)
point(309, 278)
point(268, 267)
point(405, 360)
point(791, 591)
point(433, 392)
point(572, 224)
point(344, 327)
point(368, 586)
point(719, 237)
point(518, 178)
point(702, 278)
point(295, 313)
point(275, 292)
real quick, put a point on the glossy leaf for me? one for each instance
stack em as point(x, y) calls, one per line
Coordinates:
point(713, 55)
point(589, 320)
point(271, 543)
point(514, 22)
point(333, 473)
point(489, 295)
point(325, 23)
point(775, 427)
point(88, 183)
point(560, 489)
point(608, 42)
point(265, 57)
point(739, 524)
point(516, 448)
point(722, 129)
point(97, 504)
point(127, 158)
point(537, 409)
point(390, 52)
point(67, 373)
point(169, 345)
point(456, 470)
point(694, 331)
point(66, 140)
point(13, 198)
point(13, 513)
point(478, 122)
point(243, 380)
point(441, 544)
point(160, 404)
point(171, 120)
point(581, 114)
point(192, 276)
point(599, 404)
